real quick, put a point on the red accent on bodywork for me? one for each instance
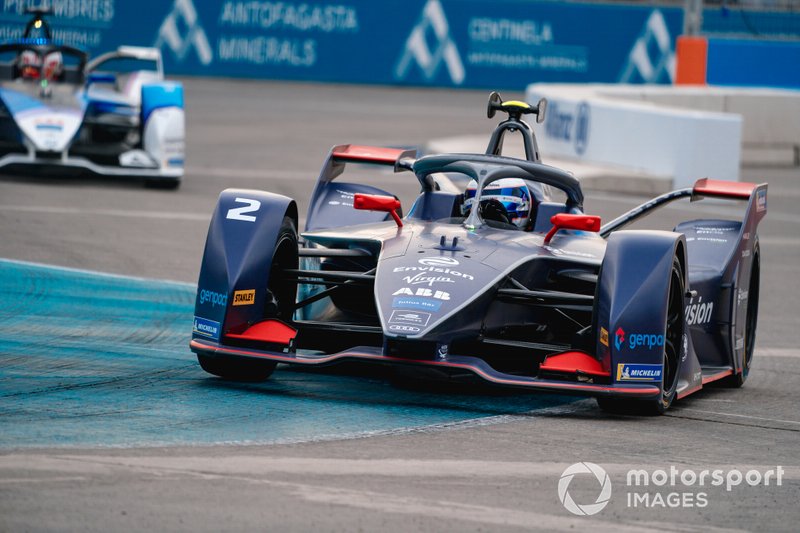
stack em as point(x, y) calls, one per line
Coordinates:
point(566, 221)
point(719, 375)
point(494, 377)
point(375, 202)
point(273, 331)
point(574, 362)
point(368, 154)
point(727, 189)
point(706, 380)
point(687, 392)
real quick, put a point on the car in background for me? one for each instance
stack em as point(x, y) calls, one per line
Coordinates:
point(62, 113)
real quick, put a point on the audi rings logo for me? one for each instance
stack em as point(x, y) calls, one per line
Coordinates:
point(590, 508)
point(438, 261)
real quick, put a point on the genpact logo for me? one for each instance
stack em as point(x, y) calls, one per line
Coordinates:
point(619, 338)
point(439, 261)
point(216, 298)
point(645, 339)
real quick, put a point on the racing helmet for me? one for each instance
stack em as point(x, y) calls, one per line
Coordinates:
point(507, 198)
point(52, 66)
point(29, 63)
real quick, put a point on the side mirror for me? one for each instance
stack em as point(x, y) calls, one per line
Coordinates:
point(579, 222)
point(374, 202)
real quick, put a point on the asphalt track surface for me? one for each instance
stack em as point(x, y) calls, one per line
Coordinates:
point(106, 422)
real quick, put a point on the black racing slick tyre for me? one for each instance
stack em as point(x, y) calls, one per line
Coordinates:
point(165, 184)
point(674, 348)
point(281, 290)
point(751, 321)
point(281, 297)
point(239, 369)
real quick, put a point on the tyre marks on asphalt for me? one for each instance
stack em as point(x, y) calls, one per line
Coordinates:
point(760, 403)
point(89, 359)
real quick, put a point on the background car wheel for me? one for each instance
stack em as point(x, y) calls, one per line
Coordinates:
point(166, 184)
point(673, 354)
point(751, 321)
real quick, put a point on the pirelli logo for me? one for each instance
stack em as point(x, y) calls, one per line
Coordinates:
point(244, 297)
point(603, 336)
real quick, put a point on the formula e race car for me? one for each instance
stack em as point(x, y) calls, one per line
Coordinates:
point(495, 274)
point(112, 116)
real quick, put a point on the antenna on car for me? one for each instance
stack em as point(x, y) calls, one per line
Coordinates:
point(515, 109)
point(37, 22)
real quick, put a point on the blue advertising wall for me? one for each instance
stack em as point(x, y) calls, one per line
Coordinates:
point(754, 63)
point(465, 43)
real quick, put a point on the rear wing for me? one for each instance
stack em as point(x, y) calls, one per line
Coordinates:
point(377, 155)
point(331, 204)
point(140, 53)
point(754, 194)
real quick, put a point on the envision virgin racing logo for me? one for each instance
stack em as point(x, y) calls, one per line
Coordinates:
point(431, 270)
point(699, 313)
point(619, 338)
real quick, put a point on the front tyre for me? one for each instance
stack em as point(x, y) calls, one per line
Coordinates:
point(281, 298)
point(239, 369)
point(674, 350)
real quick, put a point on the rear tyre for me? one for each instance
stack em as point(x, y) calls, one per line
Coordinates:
point(751, 321)
point(281, 297)
point(673, 354)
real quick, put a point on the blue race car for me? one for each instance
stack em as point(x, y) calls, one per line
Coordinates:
point(111, 116)
point(495, 274)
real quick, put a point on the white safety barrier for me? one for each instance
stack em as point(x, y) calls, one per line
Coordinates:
point(586, 123)
point(683, 132)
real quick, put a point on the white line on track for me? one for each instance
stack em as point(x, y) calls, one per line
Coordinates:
point(736, 415)
point(55, 210)
point(780, 241)
point(271, 174)
point(51, 479)
point(777, 352)
point(95, 272)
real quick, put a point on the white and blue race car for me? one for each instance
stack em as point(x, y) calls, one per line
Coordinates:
point(115, 115)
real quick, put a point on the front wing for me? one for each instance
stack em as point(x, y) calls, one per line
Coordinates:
point(456, 363)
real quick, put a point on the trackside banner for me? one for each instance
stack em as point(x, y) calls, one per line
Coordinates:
point(453, 43)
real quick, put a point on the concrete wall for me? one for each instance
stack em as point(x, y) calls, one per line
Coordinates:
point(770, 117)
point(682, 132)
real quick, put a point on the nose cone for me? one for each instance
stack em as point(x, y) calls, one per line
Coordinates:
point(49, 129)
point(49, 123)
point(427, 281)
